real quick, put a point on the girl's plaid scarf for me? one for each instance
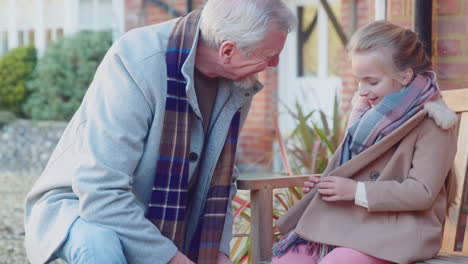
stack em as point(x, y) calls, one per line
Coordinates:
point(168, 202)
point(366, 126)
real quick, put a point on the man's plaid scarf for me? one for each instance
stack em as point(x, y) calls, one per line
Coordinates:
point(168, 202)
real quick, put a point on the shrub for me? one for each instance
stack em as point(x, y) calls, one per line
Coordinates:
point(64, 73)
point(16, 67)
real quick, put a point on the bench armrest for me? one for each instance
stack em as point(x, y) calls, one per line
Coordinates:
point(261, 182)
point(261, 208)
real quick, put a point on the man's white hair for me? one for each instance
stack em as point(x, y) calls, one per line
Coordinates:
point(244, 22)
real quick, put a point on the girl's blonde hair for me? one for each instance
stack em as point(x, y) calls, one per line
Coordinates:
point(403, 45)
point(407, 52)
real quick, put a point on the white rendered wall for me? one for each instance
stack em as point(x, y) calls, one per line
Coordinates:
point(24, 22)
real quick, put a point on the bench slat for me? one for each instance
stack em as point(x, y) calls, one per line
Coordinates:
point(456, 99)
point(246, 182)
point(461, 161)
point(460, 164)
point(445, 259)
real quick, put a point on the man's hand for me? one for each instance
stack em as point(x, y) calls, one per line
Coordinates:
point(308, 185)
point(333, 188)
point(180, 258)
point(222, 258)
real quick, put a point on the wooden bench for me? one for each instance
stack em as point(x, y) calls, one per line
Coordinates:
point(261, 197)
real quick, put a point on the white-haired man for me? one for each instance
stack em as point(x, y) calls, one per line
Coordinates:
point(144, 172)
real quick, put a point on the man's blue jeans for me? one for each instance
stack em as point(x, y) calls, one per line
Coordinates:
point(91, 244)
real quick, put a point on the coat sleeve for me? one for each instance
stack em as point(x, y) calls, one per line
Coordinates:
point(110, 147)
point(229, 221)
point(225, 245)
point(433, 157)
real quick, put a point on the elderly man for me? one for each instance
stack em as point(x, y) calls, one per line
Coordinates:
point(144, 172)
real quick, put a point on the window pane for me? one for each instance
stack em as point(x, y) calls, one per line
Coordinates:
point(335, 47)
point(309, 46)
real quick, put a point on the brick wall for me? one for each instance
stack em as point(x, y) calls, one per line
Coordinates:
point(450, 42)
point(449, 38)
point(258, 134)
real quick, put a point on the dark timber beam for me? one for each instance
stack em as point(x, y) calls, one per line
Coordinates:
point(311, 27)
point(334, 20)
point(171, 11)
point(189, 6)
point(300, 40)
point(353, 16)
point(422, 14)
point(303, 34)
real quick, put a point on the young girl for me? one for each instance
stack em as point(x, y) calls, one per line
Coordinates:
point(383, 197)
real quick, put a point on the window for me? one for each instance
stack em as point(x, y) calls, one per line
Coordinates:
point(308, 41)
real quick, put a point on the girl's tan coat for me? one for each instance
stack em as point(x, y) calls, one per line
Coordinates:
point(404, 177)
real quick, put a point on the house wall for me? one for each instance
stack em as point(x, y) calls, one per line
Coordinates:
point(449, 40)
point(450, 43)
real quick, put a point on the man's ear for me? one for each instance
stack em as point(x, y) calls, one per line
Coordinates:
point(226, 50)
point(407, 76)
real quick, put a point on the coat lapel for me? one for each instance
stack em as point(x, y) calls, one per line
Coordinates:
point(289, 220)
point(376, 150)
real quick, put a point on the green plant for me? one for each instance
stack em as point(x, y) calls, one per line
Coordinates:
point(64, 73)
point(241, 246)
point(314, 139)
point(16, 67)
point(308, 148)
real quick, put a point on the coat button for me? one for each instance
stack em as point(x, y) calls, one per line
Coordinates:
point(374, 175)
point(193, 156)
point(247, 94)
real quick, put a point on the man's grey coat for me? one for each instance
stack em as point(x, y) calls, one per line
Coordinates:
point(102, 169)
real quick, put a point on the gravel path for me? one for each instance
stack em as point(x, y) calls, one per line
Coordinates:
point(13, 189)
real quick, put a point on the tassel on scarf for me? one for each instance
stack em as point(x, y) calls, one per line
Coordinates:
point(290, 241)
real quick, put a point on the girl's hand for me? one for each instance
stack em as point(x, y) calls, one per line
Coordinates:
point(308, 185)
point(333, 188)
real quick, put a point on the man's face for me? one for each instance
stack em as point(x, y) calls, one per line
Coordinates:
point(242, 68)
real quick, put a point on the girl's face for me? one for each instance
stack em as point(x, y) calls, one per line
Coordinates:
point(374, 76)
